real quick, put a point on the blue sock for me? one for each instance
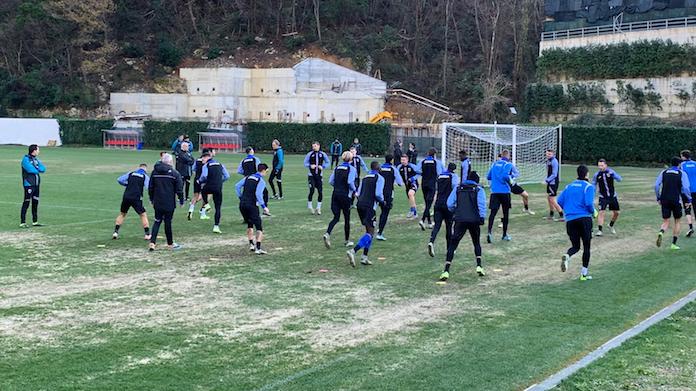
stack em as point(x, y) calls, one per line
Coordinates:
point(414, 211)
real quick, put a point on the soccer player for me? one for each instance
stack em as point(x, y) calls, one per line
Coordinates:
point(197, 194)
point(277, 170)
point(390, 174)
point(577, 199)
point(135, 183)
point(31, 181)
point(165, 186)
point(343, 182)
point(357, 146)
point(447, 182)
point(248, 165)
point(359, 165)
point(500, 176)
point(689, 167)
point(412, 153)
point(604, 180)
point(467, 203)
point(465, 164)
point(184, 165)
point(429, 168)
point(316, 161)
point(552, 182)
point(409, 175)
point(398, 145)
point(370, 193)
point(250, 193)
point(336, 150)
point(213, 175)
point(672, 185)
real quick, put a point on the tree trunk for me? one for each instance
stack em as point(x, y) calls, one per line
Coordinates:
point(316, 18)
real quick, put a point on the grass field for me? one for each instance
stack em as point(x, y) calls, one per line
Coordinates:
point(663, 357)
point(74, 315)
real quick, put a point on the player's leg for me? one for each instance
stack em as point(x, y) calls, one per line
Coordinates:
point(493, 205)
point(271, 178)
point(525, 202)
point(25, 207)
point(676, 229)
point(506, 205)
point(336, 211)
point(439, 217)
point(279, 179)
point(258, 224)
point(586, 237)
point(155, 228)
point(310, 183)
point(217, 201)
point(689, 220)
point(35, 207)
point(458, 233)
point(117, 225)
point(187, 186)
point(411, 195)
point(574, 231)
point(475, 232)
point(345, 208)
point(319, 184)
point(667, 210)
point(167, 219)
point(146, 224)
point(383, 217)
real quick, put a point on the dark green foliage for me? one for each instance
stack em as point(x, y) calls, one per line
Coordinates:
point(545, 98)
point(553, 98)
point(160, 134)
point(298, 138)
point(83, 132)
point(646, 145)
point(638, 98)
point(169, 54)
point(133, 50)
point(615, 61)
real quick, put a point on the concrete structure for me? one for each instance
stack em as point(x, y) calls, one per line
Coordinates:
point(314, 90)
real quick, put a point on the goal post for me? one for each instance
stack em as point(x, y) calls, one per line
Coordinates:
point(484, 142)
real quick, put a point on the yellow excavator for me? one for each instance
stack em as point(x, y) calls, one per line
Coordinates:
point(382, 117)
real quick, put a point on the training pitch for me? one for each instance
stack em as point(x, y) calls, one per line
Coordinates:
point(81, 311)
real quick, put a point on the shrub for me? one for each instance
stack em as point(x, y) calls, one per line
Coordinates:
point(160, 134)
point(83, 132)
point(646, 145)
point(298, 138)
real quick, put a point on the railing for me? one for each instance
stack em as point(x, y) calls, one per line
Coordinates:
point(420, 100)
point(658, 24)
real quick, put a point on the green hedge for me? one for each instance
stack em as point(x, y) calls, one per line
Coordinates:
point(298, 138)
point(626, 145)
point(160, 134)
point(616, 61)
point(83, 132)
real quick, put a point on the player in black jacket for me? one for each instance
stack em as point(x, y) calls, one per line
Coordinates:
point(165, 186)
point(135, 183)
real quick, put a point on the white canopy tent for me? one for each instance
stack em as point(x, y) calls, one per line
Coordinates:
point(27, 131)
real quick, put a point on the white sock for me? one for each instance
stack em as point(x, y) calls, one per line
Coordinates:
point(192, 207)
point(309, 205)
point(583, 271)
point(318, 205)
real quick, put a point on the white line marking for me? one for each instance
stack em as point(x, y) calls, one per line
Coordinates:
point(615, 342)
point(308, 371)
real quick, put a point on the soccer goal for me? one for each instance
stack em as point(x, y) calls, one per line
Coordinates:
point(484, 142)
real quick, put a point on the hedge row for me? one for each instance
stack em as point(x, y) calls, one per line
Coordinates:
point(83, 132)
point(294, 137)
point(616, 61)
point(626, 145)
point(374, 138)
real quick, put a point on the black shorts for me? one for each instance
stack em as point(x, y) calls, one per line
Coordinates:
point(137, 206)
point(315, 181)
point(517, 189)
point(31, 192)
point(500, 199)
point(611, 203)
point(671, 209)
point(196, 187)
point(412, 186)
point(251, 216)
point(552, 189)
point(579, 229)
point(367, 215)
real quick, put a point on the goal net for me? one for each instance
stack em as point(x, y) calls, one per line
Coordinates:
point(484, 142)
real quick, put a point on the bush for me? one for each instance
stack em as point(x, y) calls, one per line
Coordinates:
point(298, 138)
point(647, 145)
point(616, 61)
point(169, 54)
point(160, 134)
point(83, 132)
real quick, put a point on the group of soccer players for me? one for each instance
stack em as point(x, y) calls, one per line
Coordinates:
point(458, 201)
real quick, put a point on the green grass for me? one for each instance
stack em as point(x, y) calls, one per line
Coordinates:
point(75, 315)
point(663, 357)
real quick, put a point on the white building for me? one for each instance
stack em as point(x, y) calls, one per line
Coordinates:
point(314, 90)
